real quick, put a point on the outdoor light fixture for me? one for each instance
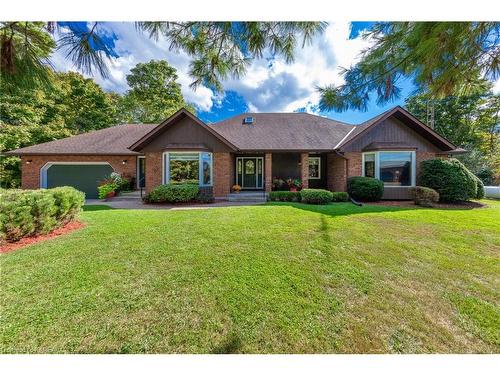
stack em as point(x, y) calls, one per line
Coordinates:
point(124, 161)
point(29, 161)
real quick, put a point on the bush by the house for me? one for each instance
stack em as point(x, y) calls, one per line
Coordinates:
point(68, 201)
point(284, 196)
point(479, 188)
point(29, 212)
point(450, 178)
point(173, 193)
point(316, 196)
point(105, 189)
point(340, 196)
point(424, 196)
point(486, 175)
point(205, 195)
point(365, 188)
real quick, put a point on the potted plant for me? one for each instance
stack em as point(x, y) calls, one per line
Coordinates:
point(236, 188)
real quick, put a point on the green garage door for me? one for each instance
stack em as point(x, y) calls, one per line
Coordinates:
point(84, 177)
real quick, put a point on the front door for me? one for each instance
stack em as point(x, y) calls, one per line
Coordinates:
point(249, 172)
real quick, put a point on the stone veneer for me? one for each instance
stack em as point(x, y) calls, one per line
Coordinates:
point(30, 176)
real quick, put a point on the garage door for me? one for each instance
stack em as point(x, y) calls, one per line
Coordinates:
point(84, 177)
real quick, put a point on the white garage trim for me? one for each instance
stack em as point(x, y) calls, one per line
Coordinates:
point(46, 166)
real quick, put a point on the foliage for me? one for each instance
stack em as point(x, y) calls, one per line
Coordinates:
point(236, 188)
point(479, 188)
point(105, 189)
point(468, 121)
point(365, 188)
point(173, 193)
point(222, 50)
point(284, 196)
point(28, 212)
point(205, 195)
point(294, 183)
point(420, 51)
point(340, 196)
point(316, 196)
point(450, 178)
point(424, 196)
point(68, 201)
point(279, 184)
point(486, 176)
point(154, 93)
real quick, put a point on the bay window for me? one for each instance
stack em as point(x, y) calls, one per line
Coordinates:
point(394, 168)
point(188, 167)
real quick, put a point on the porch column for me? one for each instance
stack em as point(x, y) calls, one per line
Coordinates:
point(222, 166)
point(336, 173)
point(304, 169)
point(268, 171)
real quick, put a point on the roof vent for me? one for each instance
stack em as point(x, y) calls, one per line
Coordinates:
point(248, 120)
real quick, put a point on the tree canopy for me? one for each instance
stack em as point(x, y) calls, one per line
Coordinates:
point(441, 58)
point(154, 93)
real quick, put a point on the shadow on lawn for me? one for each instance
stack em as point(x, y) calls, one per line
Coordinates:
point(343, 209)
point(96, 207)
point(231, 345)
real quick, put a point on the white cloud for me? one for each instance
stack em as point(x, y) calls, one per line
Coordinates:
point(288, 87)
point(269, 85)
point(496, 87)
point(134, 47)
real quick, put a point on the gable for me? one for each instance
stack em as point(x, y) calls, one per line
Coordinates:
point(395, 131)
point(185, 133)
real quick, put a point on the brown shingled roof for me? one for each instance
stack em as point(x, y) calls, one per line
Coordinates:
point(282, 131)
point(111, 141)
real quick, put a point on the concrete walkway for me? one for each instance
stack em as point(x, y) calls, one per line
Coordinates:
point(139, 205)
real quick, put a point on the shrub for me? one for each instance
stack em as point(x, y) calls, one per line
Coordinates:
point(316, 196)
point(205, 195)
point(340, 196)
point(424, 196)
point(173, 193)
point(479, 188)
point(486, 175)
point(27, 212)
point(365, 188)
point(284, 196)
point(105, 189)
point(450, 178)
point(68, 201)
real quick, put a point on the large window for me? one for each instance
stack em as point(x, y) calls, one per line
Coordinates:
point(394, 168)
point(188, 167)
point(314, 167)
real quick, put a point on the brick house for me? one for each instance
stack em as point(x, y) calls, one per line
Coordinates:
point(248, 149)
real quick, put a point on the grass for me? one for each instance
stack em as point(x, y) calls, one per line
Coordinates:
point(277, 278)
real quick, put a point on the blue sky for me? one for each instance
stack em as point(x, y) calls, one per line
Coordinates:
point(270, 84)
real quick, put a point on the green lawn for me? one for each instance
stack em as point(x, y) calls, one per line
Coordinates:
point(277, 278)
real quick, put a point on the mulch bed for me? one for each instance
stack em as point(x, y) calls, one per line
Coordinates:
point(446, 206)
point(70, 227)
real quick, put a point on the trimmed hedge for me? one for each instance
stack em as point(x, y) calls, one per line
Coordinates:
point(479, 188)
point(172, 193)
point(284, 196)
point(424, 196)
point(450, 178)
point(365, 188)
point(340, 196)
point(316, 196)
point(28, 212)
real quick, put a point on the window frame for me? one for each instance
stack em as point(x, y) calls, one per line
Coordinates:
point(319, 167)
point(413, 170)
point(166, 166)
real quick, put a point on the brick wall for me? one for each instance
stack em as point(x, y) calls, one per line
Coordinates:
point(30, 173)
point(336, 173)
point(353, 163)
point(304, 169)
point(154, 171)
point(222, 174)
point(268, 172)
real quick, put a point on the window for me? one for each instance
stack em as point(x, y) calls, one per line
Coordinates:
point(394, 168)
point(314, 167)
point(369, 165)
point(188, 167)
point(249, 167)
